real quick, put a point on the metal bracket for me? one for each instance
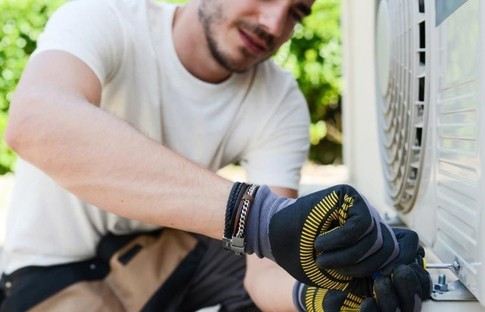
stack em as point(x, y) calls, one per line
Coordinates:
point(454, 291)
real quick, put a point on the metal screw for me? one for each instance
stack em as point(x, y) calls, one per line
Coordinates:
point(455, 266)
point(442, 279)
point(441, 286)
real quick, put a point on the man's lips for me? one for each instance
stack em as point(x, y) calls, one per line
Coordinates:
point(254, 44)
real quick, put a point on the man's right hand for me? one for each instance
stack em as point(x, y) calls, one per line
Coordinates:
point(312, 236)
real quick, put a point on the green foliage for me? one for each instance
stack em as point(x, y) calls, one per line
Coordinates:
point(313, 55)
point(20, 24)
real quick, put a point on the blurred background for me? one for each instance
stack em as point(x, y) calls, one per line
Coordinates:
point(314, 56)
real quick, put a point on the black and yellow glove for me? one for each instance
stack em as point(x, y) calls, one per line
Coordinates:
point(399, 288)
point(331, 229)
point(310, 237)
point(407, 283)
point(357, 298)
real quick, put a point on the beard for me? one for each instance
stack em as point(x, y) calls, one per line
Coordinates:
point(210, 15)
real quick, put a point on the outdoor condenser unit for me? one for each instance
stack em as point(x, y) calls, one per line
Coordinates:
point(430, 104)
point(430, 97)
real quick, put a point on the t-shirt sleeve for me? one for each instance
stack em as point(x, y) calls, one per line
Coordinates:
point(279, 152)
point(89, 30)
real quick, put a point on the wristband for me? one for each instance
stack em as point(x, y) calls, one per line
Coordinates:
point(236, 219)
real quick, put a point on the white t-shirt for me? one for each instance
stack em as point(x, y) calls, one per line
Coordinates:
point(258, 118)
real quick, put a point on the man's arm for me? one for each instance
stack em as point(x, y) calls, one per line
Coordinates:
point(55, 123)
point(270, 287)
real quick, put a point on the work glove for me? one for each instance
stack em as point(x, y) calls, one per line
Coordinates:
point(402, 288)
point(407, 284)
point(356, 298)
point(310, 237)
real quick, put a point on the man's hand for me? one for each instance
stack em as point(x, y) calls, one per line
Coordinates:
point(357, 297)
point(405, 284)
point(402, 291)
point(312, 236)
point(400, 287)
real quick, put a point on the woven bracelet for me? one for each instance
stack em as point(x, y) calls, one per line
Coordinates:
point(230, 208)
point(236, 240)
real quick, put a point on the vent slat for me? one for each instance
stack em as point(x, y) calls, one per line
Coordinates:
point(403, 112)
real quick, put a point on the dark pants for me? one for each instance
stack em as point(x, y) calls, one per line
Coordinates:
point(162, 271)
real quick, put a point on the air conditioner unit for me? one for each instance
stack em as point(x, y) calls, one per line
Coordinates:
point(427, 138)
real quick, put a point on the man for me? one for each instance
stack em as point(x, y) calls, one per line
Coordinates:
point(121, 116)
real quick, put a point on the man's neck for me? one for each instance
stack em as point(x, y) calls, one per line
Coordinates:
point(192, 48)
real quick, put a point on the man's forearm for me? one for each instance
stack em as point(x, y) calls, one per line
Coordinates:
point(270, 287)
point(108, 163)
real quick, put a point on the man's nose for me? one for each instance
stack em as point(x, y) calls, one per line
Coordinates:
point(274, 17)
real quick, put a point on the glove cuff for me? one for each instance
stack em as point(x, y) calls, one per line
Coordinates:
point(266, 204)
point(298, 290)
point(257, 234)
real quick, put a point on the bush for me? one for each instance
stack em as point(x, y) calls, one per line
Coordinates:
point(313, 56)
point(21, 23)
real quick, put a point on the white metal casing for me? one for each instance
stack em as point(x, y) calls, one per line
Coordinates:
point(430, 70)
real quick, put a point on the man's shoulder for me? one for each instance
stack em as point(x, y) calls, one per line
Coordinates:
point(125, 8)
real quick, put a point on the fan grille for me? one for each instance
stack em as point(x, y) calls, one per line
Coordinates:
point(402, 96)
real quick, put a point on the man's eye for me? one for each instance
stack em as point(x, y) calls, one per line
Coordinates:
point(296, 16)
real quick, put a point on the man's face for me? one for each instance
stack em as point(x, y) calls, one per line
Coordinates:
point(242, 33)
